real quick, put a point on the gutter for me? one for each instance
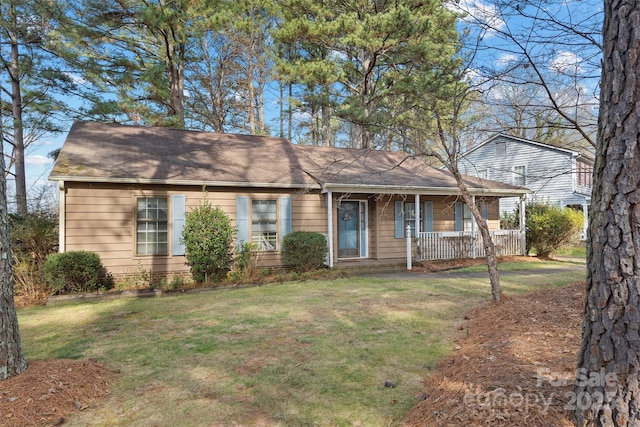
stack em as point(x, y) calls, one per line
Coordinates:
point(438, 191)
point(180, 182)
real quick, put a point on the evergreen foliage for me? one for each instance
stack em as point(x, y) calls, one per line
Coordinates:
point(208, 237)
point(304, 250)
point(76, 272)
point(548, 227)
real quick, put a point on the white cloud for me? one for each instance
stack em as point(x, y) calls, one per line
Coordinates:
point(485, 15)
point(301, 116)
point(38, 160)
point(76, 78)
point(566, 62)
point(506, 59)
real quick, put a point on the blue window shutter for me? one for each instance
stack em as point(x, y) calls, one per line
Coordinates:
point(178, 212)
point(398, 220)
point(286, 220)
point(428, 216)
point(242, 219)
point(457, 216)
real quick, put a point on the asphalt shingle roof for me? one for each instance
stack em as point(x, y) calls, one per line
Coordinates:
point(118, 153)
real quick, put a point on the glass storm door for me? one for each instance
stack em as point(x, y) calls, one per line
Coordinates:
point(348, 229)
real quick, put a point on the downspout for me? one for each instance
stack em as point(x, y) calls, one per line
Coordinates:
point(330, 226)
point(523, 226)
point(585, 220)
point(62, 209)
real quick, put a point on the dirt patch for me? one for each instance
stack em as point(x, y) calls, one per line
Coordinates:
point(50, 391)
point(514, 365)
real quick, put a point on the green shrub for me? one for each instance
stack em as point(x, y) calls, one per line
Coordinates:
point(75, 272)
point(549, 227)
point(208, 236)
point(33, 237)
point(304, 250)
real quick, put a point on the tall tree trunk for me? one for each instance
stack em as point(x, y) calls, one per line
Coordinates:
point(12, 361)
point(290, 113)
point(607, 390)
point(16, 111)
point(326, 123)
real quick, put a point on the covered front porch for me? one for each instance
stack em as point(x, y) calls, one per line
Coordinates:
point(466, 244)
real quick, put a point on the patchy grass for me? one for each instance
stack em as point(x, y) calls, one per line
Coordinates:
point(577, 251)
point(298, 353)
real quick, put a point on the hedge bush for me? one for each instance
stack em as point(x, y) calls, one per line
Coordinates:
point(548, 227)
point(304, 250)
point(76, 272)
point(208, 237)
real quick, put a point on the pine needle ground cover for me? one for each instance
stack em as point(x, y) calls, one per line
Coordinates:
point(352, 351)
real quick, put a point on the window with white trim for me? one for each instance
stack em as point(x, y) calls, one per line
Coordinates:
point(410, 217)
point(519, 175)
point(152, 236)
point(264, 224)
point(501, 148)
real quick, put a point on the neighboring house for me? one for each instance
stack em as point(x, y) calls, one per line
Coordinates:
point(124, 192)
point(553, 174)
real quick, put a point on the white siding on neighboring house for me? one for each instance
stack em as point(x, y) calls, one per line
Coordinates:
point(550, 172)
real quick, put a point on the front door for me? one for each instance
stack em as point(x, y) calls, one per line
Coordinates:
point(350, 222)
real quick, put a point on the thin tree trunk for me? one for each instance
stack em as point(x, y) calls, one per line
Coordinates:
point(326, 123)
point(18, 125)
point(607, 388)
point(12, 361)
point(487, 241)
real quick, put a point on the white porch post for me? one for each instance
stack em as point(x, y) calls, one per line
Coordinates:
point(408, 235)
point(417, 218)
point(585, 224)
point(330, 226)
point(473, 229)
point(523, 226)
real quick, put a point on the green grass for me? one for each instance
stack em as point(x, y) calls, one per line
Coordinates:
point(578, 251)
point(293, 354)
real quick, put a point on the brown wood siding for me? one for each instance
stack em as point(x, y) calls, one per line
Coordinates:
point(101, 218)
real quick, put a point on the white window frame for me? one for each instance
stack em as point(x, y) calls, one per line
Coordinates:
point(264, 231)
point(156, 226)
point(520, 178)
point(410, 216)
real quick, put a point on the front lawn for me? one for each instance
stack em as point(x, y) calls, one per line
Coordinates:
point(351, 351)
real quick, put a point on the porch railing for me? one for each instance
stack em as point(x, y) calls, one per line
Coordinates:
point(465, 244)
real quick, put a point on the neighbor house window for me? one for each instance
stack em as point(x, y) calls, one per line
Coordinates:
point(264, 224)
point(501, 148)
point(482, 173)
point(584, 174)
point(152, 237)
point(519, 175)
